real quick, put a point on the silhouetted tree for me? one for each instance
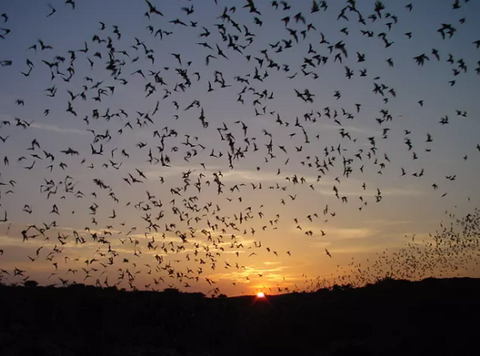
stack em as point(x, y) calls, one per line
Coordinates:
point(30, 284)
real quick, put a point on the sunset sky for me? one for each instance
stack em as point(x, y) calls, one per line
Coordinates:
point(283, 225)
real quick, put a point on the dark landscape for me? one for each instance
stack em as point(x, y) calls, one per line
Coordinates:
point(391, 317)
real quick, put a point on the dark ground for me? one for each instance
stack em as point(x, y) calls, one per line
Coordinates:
point(432, 317)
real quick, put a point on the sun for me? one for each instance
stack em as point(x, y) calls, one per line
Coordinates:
point(260, 295)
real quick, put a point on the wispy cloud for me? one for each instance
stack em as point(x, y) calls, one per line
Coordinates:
point(348, 191)
point(352, 233)
point(404, 191)
point(320, 244)
point(55, 128)
point(351, 128)
point(267, 263)
point(385, 222)
point(335, 234)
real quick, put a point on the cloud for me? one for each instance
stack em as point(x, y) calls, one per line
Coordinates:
point(240, 276)
point(267, 263)
point(335, 234)
point(407, 191)
point(351, 128)
point(175, 171)
point(385, 222)
point(352, 233)
point(320, 244)
point(239, 175)
point(55, 128)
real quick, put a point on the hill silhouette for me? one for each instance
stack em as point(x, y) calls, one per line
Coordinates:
point(390, 317)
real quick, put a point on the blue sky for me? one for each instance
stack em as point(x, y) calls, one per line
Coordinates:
point(409, 204)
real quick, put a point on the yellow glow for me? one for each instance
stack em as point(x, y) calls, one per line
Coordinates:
point(260, 295)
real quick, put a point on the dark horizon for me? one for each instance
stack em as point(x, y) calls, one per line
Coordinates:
point(391, 317)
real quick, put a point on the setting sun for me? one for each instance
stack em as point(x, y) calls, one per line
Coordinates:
point(260, 295)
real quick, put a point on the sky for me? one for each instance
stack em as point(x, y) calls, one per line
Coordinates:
point(127, 160)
